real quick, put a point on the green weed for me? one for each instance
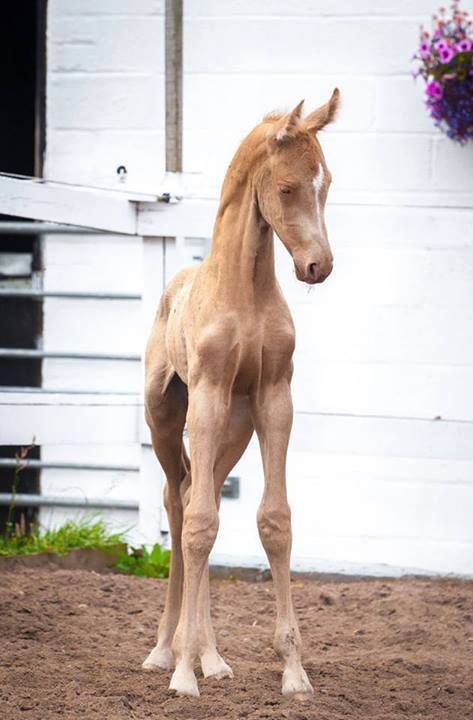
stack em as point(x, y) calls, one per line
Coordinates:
point(88, 532)
point(145, 563)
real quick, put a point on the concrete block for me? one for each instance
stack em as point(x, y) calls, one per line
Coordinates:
point(299, 45)
point(400, 106)
point(83, 8)
point(269, 8)
point(452, 166)
point(223, 101)
point(107, 44)
point(105, 102)
point(92, 157)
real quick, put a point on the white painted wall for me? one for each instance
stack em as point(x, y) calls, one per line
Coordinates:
point(381, 461)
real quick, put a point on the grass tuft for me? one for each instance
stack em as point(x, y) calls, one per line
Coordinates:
point(88, 532)
point(145, 563)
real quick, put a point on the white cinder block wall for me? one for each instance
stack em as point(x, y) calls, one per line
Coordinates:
point(381, 462)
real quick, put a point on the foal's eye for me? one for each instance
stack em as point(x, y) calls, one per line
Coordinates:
point(286, 190)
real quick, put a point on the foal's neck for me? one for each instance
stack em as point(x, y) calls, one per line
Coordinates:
point(242, 253)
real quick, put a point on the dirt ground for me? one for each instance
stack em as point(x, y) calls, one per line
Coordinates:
point(72, 643)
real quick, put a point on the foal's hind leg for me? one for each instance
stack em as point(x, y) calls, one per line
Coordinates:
point(166, 407)
point(237, 437)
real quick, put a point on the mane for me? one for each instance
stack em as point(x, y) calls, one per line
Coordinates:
point(273, 116)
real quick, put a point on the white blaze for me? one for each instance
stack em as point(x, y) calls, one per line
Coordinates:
point(317, 182)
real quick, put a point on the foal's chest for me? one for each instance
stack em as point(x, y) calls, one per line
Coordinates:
point(263, 351)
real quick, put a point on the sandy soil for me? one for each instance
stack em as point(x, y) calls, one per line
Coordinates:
point(72, 643)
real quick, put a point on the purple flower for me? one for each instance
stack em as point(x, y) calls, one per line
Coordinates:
point(464, 45)
point(445, 62)
point(441, 45)
point(446, 55)
point(424, 50)
point(434, 90)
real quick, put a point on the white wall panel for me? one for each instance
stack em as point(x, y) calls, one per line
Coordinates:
point(92, 263)
point(90, 484)
point(105, 98)
point(398, 105)
point(453, 166)
point(68, 418)
point(91, 375)
point(84, 8)
point(383, 347)
point(245, 99)
point(298, 45)
point(382, 437)
point(111, 47)
point(303, 8)
point(365, 162)
point(120, 103)
point(102, 326)
point(386, 334)
point(93, 156)
point(358, 513)
point(396, 390)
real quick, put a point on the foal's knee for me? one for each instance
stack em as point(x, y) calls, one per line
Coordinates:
point(199, 531)
point(274, 525)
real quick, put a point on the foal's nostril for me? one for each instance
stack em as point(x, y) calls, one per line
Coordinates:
point(312, 271)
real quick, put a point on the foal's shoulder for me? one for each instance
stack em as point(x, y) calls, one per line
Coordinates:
point(179, 281)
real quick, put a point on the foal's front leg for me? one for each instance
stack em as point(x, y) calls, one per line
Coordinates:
point(206, 420)
point(272, 413)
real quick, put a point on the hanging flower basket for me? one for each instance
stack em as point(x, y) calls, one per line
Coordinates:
point(445, 61)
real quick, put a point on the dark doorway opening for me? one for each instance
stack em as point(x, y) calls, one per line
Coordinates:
point(22, 134)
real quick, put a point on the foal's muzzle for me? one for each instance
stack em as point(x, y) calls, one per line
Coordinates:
point(313, 272)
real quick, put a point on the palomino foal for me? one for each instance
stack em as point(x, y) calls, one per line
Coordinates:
point(220, 358)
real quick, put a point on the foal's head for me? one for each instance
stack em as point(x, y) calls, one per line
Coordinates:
point(293, 185)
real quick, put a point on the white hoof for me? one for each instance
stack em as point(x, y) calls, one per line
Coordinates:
point(184, 682)
point(213, 665)
point(296, 682)
point(159, 659)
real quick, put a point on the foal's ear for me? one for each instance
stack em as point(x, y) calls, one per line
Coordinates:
point(324, 114)
point(287, 126)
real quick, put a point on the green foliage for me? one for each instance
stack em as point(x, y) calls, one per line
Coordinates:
point(146, 563)
point(88, 532)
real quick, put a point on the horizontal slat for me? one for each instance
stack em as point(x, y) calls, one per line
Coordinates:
point(51, 465)
point(67, 204)
point(25, 500)
point(25, 353)
point(8, 227)
point(20, 396)
point(41, 294)
point(108, 471)
point(67, 418)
